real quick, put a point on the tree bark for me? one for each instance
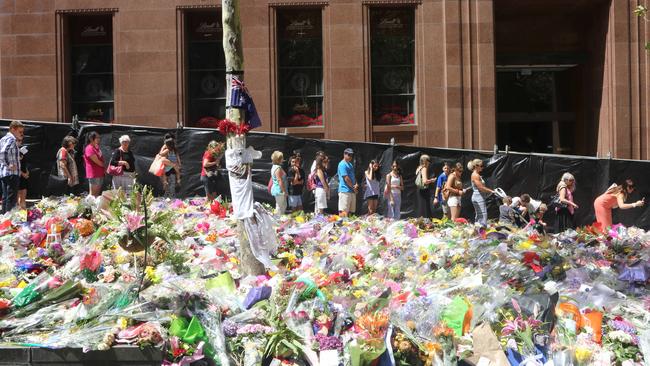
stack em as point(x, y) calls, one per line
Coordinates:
point(233, 50)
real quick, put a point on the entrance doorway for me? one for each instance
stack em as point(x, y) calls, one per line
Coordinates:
point(536, 109)
point(549, 58)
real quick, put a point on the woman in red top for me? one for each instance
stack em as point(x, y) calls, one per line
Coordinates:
point(614, 197)
point(210, 169)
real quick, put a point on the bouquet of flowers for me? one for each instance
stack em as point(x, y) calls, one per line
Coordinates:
point(621, 338)
point(126, 215)
point(518, 332)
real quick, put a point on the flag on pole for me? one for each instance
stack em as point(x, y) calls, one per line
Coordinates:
point(240, 98)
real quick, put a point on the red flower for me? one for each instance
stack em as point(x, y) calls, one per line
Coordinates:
point(227, 127)
point(218, 209)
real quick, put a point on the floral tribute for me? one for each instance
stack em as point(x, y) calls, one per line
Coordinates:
point(352, 291)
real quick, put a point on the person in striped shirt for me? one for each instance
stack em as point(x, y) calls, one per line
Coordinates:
point(10, 165)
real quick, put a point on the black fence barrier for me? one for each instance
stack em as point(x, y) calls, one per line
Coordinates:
point(515, 173)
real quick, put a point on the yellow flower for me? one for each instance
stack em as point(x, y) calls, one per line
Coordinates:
point(234, 260)
point(457, 271)
point(525, 245)
point(583, 355)
point(424, 258)
point(122, 323)
point(358, 293)
point(300, 219)
point(150, 274)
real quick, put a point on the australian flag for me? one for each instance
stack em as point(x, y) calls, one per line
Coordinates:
point(239, 98)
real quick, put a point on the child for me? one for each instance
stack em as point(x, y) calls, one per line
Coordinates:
point(394, 188)
point(506, 213)
point(537, 219)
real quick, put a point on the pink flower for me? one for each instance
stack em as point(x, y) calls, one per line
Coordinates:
point(134, 222)
point(203, 227)
point(91, 260)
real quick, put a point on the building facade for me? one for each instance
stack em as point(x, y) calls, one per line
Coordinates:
point(544, 76)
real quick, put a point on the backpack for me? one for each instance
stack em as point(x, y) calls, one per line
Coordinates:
point(311, 181)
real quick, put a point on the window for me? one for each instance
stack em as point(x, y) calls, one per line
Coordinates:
point(300, 67)
point(392, 64)
point(206, 69)
point(91, 67)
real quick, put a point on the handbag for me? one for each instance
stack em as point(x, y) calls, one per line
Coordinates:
point(556, 203)
point(157, 167)
point(56, 184)
point(115, 170)
point(419, 180)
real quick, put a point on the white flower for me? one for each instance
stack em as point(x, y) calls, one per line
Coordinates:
point(619, 335)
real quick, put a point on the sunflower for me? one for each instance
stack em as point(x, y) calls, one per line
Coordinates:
point(424, 258)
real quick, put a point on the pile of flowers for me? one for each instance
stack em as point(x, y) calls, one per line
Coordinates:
point(352, 291)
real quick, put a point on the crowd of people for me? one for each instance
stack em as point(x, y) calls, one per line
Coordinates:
point(444, 191)
point(289, 185)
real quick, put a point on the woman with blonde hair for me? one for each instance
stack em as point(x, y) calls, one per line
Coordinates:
point(613, 198)
point(454, 191)
point(479, 189)
point(279, 187)
point(423, 182)
point(566, 207)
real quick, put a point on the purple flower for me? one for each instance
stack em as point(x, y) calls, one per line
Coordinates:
point(254, 329)
point(623, 325)
point(229, 328)
point(328, 342)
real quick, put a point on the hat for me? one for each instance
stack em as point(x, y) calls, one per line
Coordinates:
point(348, 151)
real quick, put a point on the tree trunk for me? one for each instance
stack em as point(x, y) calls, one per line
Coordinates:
point(232, 47)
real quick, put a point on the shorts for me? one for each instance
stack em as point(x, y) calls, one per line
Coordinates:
point(453, 201)
point(295, 201)
point(209, 184)
point(22, 183)
point(373, 197)
point(320, 199)
point(96, 181)
point(347, 201)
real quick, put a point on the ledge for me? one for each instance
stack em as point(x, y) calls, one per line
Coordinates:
point(302, 130)
point(394, 128)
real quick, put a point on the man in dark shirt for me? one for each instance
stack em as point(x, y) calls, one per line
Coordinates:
point(296, 179)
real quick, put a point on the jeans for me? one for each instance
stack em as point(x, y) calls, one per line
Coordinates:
point(394, 209)
point(170, 190)
point(280, 204)
point(9, 192)
point(124, 181)
point(480, 208)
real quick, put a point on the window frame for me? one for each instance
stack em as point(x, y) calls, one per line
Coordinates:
point(63, 49)
point(404, 6)
point(185, 95)
point(277, 69)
